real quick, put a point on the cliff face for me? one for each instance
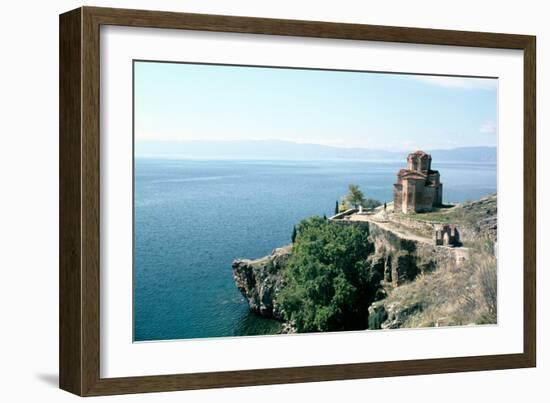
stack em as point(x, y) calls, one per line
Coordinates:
point(452, 295)
point(400, 260)
point(417, 276)
point(461, 286)
point(261, 279)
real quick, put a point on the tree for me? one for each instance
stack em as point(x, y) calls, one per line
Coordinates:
point(294, 233)
point(355, 196)
point(336, 208)
point(328, 283)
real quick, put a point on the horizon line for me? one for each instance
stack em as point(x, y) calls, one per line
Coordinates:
point(308, 144)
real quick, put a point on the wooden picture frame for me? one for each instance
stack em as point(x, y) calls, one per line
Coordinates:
point(79, 348)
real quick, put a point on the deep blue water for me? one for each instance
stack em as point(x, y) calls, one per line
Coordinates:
point(192, 218)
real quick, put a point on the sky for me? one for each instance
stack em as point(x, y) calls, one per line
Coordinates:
point(394, 112)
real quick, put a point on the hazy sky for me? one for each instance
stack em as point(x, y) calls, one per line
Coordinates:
point(371, 110)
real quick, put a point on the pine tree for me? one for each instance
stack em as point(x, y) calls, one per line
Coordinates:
point(336, 208)
point(293, 237)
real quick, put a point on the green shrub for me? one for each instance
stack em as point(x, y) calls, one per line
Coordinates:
point(328, 282)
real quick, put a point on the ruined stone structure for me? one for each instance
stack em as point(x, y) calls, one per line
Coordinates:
point(447, 235)
point(418, 188)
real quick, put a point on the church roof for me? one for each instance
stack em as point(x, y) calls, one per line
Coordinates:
point(419, 153)
point(410, 174)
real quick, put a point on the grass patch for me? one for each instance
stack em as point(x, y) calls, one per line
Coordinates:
point(467, 213)
point(432, 216)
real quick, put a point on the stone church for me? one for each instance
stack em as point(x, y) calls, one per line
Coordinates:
point(418, 188)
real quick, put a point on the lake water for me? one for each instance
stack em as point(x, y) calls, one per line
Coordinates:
point(192, 218)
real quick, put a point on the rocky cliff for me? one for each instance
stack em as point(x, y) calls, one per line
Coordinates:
point(403, 258)
point(400, 260)
point(461, 283)
point(463, 294)
point(261, 279)
point(407, 262)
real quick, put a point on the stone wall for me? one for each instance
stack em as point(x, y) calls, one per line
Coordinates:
point(425, 228)
point(404, 259)
point(401, 259)
point(397, 197)
point(425, 198)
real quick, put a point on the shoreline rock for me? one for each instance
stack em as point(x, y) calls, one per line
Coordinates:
point(259, 281)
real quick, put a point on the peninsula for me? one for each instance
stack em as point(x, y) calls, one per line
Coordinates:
point(410, 262)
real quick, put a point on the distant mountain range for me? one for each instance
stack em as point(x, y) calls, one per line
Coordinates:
point(286, 150)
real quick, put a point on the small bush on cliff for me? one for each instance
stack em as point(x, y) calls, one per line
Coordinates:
point(328, 284)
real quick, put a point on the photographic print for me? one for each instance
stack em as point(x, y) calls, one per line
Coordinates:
point(273, 200)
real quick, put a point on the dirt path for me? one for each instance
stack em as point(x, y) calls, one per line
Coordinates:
point(389, 226)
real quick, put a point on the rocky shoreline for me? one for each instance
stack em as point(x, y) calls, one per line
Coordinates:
point(260, 280)
point(396, 260)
